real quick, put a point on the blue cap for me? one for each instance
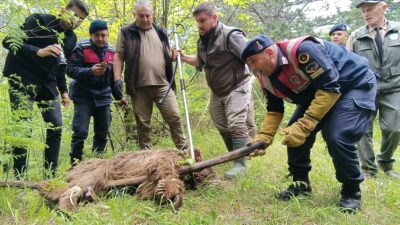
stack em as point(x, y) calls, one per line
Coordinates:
point(336, 27)
point(255, 45)
point(367, 2)
point(97, 25)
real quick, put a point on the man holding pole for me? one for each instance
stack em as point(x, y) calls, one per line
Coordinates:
point(218, 53)
point(144, 49)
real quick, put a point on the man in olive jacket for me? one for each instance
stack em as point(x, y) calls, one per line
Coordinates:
point(379, 42)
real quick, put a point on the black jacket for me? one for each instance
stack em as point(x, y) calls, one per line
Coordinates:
point(41, 30)
point(131, 57)
point(85, 87)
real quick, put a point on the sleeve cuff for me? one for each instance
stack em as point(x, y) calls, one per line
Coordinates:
point(30, 49)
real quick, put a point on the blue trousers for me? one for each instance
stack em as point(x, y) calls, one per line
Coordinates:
point(22, 105)
point(80, 126)
point(341, 128)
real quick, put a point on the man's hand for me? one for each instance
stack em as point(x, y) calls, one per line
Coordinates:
point(116, 91)
point(65, 100)
point(174, 54)
point(181, 53)
point(99, 69)
point(51, 50)
point(257, 152)
point(267, 132)
point(123, 102)
point(296, 134)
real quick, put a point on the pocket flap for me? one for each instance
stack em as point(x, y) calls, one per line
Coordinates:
point(365, 103)
point(395, 70)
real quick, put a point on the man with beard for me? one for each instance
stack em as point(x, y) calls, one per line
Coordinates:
point(36, 69)
point(218, 53)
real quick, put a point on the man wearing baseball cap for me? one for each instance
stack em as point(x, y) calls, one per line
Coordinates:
point(334, 92)
point(379, 42)
point(338, 34)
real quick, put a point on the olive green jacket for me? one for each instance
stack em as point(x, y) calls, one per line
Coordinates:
point(389, 71)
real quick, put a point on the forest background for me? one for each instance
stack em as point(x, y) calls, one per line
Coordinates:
point(248, 200)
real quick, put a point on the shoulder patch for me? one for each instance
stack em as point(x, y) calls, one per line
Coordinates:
point(312, 67)
point(317, 73)
point(110, 49)
point(85, 43)
point(314, 70)
point(303, 58)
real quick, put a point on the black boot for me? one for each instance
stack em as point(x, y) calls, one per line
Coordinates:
point(295, 189)
point(20, 162)
point(351, 199)
point(300, 186)
point(75, 159)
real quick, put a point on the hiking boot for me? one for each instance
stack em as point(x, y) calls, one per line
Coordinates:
point(351, 196)
point(350, 203)
point(295, 189)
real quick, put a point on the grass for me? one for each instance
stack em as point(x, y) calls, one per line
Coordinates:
point(248, 200)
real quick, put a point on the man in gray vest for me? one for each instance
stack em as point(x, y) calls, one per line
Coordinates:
point(218, 53)
point(379, 41)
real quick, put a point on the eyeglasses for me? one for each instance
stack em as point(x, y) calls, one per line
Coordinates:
point(74, 16)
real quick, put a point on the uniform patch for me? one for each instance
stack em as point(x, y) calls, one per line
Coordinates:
point(312, 68)
point(284, 60)
point(317, 73)
point(303, 58)
point(295, 80)
point(259, 46)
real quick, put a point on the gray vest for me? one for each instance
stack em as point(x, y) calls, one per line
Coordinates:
point(389, 71)
point(222, 65)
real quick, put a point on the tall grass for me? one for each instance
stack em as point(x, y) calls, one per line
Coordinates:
point(247, 200)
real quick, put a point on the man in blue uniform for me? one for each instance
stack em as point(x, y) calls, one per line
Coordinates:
point(334, 92)
point(338, 34)
point(90, 90)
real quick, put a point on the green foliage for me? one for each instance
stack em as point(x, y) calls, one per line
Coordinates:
point(249, 200)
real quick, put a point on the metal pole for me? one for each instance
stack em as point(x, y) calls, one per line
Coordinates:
point(182, 82)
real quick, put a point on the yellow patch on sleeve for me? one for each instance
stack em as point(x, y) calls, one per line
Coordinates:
point(317, 73)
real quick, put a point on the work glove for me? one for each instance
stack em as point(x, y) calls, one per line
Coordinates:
point(117, 90)
point(266, 133)
point(296, 134)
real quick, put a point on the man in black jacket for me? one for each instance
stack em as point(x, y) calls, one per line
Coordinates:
point(35, 71)
point(90, 67)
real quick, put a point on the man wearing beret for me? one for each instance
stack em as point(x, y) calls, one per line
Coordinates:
point(218, 53)
point(36, 73)
point(90, 67)
point(338, 34)
point(379, 42)
point(334, 92)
